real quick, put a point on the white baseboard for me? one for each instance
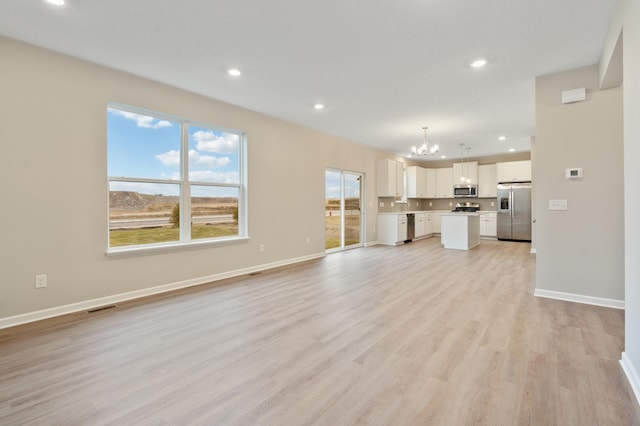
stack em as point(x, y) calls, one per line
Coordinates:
point(579, 298)
point(123, 297)
point(632, 375)
point(372, 243)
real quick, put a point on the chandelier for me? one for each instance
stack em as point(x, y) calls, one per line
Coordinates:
point(426, 149)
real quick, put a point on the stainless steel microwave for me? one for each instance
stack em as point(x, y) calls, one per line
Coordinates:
point(465, 191)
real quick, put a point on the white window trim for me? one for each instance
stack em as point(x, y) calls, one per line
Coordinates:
point(185, 184)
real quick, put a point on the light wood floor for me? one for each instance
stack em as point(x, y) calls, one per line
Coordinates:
point(382, 335)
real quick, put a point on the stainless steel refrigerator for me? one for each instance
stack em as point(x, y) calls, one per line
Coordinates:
point(514, 211)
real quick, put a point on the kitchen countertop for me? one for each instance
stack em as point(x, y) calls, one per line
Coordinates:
point(481, 212)
point(460, 214)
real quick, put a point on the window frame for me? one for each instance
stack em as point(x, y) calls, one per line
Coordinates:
point(184, 184)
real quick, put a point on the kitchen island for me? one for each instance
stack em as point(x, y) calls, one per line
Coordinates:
point(459, 230)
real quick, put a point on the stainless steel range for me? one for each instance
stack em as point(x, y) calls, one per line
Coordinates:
point(467, 207)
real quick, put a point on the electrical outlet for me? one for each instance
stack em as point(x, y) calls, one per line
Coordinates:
point(261, 248)
point(558, 205)
point(381, 203)
point(392, 204)
point(430, 203)
point(41, 281)
point(493, 203)
point(450, 204)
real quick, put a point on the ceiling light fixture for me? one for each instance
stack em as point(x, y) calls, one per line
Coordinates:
point(479, 63)
point(426, 149)
point(56, 2)
point(502, 138)
point(234, 72)
point(512, 150)
point(318, 106)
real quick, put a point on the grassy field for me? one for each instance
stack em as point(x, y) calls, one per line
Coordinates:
point(129, 205)
point(332, 231)
point(128, 237)
point(332, 223)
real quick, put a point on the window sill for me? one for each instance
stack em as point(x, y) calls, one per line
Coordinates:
point(168, 247)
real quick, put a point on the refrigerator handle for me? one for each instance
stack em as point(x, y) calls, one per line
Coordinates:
point(512, 197)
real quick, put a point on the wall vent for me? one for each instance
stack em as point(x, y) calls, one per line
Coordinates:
point(574, 95)
point(101, 308)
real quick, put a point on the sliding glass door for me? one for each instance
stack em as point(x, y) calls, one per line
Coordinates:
point(343, 209)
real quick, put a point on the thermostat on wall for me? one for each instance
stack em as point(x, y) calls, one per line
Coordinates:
point(574, 173)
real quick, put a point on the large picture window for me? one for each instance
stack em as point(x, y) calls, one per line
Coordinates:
point(172, 181)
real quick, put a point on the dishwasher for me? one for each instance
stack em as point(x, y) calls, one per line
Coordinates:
point(411, 227)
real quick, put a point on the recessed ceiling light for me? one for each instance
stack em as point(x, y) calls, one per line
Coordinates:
point(512, 149)
point(234, 72)
point(502, 138)
point(443, 156)
point(318, 106)
point(479, 63)
point(56, 2)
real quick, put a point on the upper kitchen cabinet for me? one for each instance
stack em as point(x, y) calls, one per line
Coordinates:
point(468, 170)
point(487, 181)
point(432, 183)
point(514, 171)
point(416, 182)
point(445, 182)
point(390, 178)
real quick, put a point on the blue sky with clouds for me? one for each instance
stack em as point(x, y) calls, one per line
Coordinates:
point(141, 146)
point(333, 184)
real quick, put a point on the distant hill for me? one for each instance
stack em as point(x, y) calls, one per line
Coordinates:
point(127, 200)
point(131, 200)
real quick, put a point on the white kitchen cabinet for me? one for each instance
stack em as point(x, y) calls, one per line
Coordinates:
point(428, 223)
point(390, 178)
point(445, 182)
point(432, 183)
point(488, 225)
point(420, 225)
point(487, 181)
point(468, 169)
point(514, 171)
point(392, 228)
point(416, 182)
point(402, 228)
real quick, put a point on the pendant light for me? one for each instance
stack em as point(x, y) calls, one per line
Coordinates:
point(464, 178)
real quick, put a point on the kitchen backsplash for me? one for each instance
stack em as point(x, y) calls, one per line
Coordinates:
point(432, 204)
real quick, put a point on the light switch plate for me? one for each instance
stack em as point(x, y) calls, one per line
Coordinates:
point(558, 205)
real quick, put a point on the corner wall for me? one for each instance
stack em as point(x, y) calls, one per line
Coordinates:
point(53, 169)
point(580, 252)
point(625, 29)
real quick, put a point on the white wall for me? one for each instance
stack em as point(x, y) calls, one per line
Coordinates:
point(626, 21)
point(54, 201)
point(580, 252)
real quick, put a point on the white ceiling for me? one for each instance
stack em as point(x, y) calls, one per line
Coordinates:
point(384, 69)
